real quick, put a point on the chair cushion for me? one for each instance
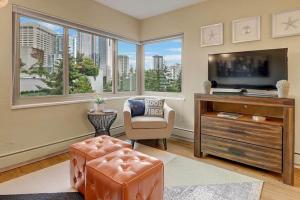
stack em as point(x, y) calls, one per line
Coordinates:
point(154, 107)
point(137, 107)
point(142, 122)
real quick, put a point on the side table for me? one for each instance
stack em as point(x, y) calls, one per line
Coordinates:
point(102, 121)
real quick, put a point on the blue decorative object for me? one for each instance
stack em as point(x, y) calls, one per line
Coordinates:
point(137, 107)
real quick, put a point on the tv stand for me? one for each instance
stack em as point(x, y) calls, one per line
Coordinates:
point(267, 145)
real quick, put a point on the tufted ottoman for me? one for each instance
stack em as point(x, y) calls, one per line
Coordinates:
point(125, 175)
point(89, 149)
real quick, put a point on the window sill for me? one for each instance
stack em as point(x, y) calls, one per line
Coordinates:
point(89, 100)
point(166, 95)
point(67, 102)
point(178, 98)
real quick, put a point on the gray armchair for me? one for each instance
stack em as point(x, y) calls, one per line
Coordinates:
point(141, 127)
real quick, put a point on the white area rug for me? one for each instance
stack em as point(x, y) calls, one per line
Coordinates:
point(184, 179)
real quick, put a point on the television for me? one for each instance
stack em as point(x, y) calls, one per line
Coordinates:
point(248, 70)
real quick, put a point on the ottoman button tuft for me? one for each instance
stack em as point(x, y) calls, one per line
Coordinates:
point(74, 162)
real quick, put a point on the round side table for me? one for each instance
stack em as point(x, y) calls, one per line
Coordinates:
point(102, 121)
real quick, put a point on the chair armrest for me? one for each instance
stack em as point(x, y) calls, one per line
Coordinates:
point(127, 116)
point(169, 115)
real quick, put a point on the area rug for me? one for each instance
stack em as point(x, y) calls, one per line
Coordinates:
point(44, 196)
point(184, 179)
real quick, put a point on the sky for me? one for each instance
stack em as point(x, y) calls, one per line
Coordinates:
point(169, 49)
point(56, 28)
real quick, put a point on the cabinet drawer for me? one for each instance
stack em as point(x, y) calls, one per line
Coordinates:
point(248, 132)
point(257, 156)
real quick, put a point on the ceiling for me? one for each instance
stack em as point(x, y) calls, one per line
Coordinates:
point(142, 9)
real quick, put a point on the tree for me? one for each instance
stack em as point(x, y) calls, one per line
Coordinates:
point(152, 80)
point(80, 69)
point(161, 80)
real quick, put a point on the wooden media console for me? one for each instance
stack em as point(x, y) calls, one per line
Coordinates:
point(266, 144)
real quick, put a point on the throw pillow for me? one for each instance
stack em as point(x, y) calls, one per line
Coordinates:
point(154, 107)
point(137, 107)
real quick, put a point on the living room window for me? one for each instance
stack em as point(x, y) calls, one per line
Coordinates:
point(90, 63)
point(60, 59)
point(126, 61)
point(162, 65)
point(41, 56)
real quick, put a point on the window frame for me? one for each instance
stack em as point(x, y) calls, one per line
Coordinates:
point(156, 40)
point(17, 99)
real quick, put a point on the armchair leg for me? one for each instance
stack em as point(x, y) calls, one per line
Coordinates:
point(132, 143)
point(165, 144)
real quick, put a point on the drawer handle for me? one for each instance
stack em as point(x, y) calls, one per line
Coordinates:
point(236, 151)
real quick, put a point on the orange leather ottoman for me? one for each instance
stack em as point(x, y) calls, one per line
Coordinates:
point(124, 175)
point(89, 149)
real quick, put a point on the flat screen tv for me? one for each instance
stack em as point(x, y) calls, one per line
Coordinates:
point(248, 70)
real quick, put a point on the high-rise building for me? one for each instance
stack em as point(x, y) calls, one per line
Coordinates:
point(85, 44)
point(36, 36)
point(175, 71)
point(59, 47)
point(158, 62)
point(107, 63)
point(101, 46)
point(73, 46)
point(123, 65)
point(92, 46)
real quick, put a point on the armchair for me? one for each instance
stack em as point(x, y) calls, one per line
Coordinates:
point(142, 127)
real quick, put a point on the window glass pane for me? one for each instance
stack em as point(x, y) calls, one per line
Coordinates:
point(162, 70)
point(126, 66)
point(90, 63)
point(41, 54)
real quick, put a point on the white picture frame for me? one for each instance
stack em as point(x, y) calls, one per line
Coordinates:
point(286, 24)
point(212, 35)
point(246, 29)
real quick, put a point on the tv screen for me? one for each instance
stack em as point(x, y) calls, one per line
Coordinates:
point(250, 70)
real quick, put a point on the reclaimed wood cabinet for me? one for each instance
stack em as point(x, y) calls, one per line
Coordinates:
point(266, 144)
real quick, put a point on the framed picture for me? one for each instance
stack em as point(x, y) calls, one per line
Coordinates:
point(212, 35)
point(246, 29)
point(286, 24)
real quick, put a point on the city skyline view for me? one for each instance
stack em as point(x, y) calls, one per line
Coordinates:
point(169, 49)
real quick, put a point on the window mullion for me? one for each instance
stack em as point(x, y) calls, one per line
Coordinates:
point(66, 61)
point(16, 62)
point(140, 69)
point(115, 66)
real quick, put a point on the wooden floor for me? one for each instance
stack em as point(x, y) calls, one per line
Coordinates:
point(273, 189)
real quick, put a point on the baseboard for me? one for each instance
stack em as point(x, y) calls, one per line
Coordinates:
point(33, 160)
point(26, 156)
point(297, 160)
point(183, 134)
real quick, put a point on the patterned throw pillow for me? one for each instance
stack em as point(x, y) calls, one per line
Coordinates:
point(154, 107)
point(137, 107)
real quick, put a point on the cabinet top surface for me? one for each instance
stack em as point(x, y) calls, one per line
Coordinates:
point(271, 101)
